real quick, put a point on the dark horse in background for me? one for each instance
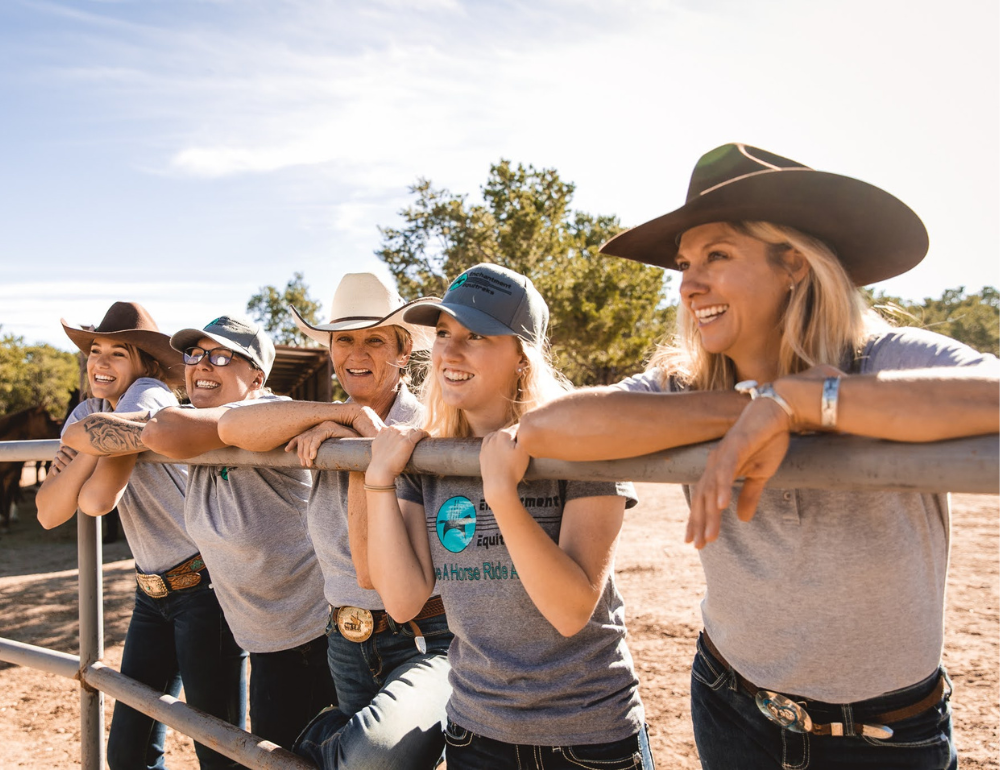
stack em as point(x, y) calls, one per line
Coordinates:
point(31, 423)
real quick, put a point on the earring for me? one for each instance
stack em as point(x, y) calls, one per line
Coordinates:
point(791, 287)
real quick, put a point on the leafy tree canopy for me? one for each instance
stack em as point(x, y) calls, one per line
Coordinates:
point(973, 319)
point(606, 313)
point(35, 374)
point(270, 308)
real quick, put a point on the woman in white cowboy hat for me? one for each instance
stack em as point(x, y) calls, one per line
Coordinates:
point(824, 609)
point(177, 631)
point(249, 523)
point(541, 674)
point(391, 678)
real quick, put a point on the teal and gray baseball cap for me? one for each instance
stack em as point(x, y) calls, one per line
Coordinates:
point(490, 300)
point(234, 332)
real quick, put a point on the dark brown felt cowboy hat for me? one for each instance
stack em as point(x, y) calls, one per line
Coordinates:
point(874, 234)
point(129, 322)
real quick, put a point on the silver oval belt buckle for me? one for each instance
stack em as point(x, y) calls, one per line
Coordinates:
point(784, 711)
point(354, 623)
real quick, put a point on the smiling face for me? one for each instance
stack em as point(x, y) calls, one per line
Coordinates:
point(209, 385)
point(736, 294)
point(111, 368)
point(368, 363)
point(476, 374)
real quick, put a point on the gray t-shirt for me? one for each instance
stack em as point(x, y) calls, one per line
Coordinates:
point(250, 526)
point(831, 595)
point(327, 521)
point(152, 506)
point(514, 677)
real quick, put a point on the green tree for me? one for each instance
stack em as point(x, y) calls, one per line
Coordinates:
point(35, 374)
point(270, 308)
point(606, 313)
point(973, 319)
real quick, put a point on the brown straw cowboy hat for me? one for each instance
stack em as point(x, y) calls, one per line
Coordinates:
point(365, 301)
point(874, 234)
point(130, 323)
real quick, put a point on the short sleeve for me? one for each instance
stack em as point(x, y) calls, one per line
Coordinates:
point(410, 488)
point(626, 489)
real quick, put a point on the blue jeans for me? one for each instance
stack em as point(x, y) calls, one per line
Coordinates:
point(468, 751)
point(182, 636)
point(391, 701)
point(287, 689)
point(732, 733)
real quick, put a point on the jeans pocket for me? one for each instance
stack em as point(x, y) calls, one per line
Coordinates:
point(705, 670)
point(619, 755)
point(457, 736)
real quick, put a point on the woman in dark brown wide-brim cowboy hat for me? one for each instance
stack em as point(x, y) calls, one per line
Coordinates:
point(177, 631)
point(823, 613)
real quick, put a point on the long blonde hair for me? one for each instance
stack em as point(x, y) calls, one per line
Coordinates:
point(537, 384)
point(825, 322)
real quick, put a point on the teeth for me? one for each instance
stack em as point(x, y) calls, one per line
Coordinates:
point(359, 371)
point(707, 313)
point(103, 378)
point(205, 384)
point(453, 376)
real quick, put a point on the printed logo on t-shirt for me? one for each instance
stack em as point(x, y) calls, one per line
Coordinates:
point(456, 523)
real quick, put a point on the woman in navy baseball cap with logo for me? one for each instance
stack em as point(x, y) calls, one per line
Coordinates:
point(540, 672)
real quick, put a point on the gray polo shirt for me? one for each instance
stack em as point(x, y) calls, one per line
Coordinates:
point(514, 677)
point(250, 526)
point(152, 507)
point(830, 595)
point(327, 520)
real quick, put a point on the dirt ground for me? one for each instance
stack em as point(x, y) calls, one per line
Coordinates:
point(659, 576)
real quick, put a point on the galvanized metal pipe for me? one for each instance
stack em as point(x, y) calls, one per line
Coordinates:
point(813, 462)
point(210, 731)
point(89, 559)
point(50, 661)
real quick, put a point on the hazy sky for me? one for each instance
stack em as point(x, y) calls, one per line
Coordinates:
point(183, 153)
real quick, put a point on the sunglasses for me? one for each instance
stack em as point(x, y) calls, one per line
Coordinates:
point(216, 356)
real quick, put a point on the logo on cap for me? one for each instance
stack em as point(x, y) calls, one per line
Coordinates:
point(459, 281)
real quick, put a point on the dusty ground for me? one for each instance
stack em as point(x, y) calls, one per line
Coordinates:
point(661, 580)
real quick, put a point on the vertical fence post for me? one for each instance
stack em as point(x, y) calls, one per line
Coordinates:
point(89, 558)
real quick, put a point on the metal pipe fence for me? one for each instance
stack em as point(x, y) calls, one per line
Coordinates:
point(969, 465)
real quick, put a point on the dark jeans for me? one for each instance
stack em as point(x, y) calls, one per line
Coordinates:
point(182, 636)
point(392, 700)
point(732, 733)
point(467, 751)
point(287, 689)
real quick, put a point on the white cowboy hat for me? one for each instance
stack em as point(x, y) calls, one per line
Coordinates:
point(365, 301)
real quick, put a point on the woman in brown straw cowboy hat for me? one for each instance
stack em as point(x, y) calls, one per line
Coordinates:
point(390, 692)
point(824, 609)
point(177, 631)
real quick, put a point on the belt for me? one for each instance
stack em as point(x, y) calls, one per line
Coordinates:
point(789, 712)
point(185, 575)
point(358, 625)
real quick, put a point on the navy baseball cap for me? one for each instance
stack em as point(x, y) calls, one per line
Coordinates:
point(490, 300)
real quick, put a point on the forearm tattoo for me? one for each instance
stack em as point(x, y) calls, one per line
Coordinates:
point(115, 438)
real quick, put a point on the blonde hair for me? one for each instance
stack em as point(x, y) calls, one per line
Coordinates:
point(537, 384)
point(826, 319)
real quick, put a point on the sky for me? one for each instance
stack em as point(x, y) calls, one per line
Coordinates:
point(185, 153)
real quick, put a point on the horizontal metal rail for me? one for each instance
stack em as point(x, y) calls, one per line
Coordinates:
point(237, 744)
point(969, 465)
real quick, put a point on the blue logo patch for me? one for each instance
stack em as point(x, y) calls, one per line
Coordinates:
point(459, 281)
point(456, 523)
